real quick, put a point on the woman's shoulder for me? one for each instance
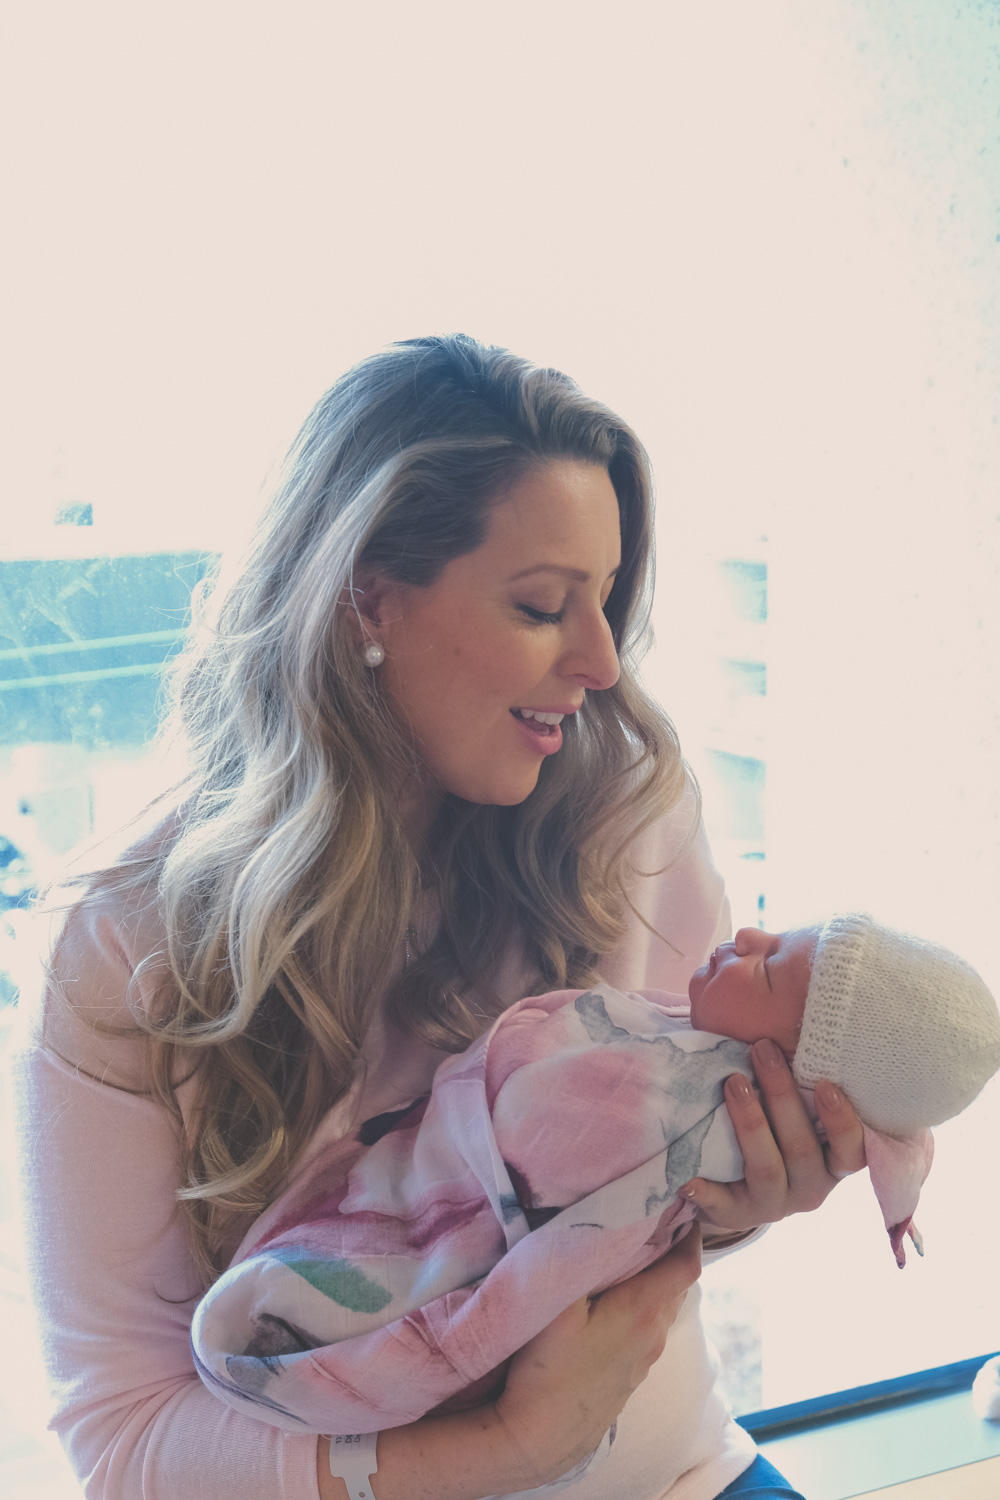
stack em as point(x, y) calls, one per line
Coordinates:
point(668, 836)
point(678, 908)
point(101, 958)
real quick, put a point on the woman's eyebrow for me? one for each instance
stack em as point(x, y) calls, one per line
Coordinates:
point(577, 574)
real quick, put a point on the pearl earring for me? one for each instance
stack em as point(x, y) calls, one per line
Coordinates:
point(374, 654)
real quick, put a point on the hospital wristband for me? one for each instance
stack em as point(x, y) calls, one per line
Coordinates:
point(352, 1459)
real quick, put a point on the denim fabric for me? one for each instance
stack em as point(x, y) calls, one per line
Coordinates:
point(763, 1481)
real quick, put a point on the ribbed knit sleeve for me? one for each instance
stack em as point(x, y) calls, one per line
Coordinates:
point(109, 1267)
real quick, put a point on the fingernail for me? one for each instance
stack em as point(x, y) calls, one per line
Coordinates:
point(766, 1053)
point(689, 1190)
point(739, 1087)
point(829, 1094)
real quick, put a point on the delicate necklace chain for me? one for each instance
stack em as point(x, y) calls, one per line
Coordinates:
point(410, 938)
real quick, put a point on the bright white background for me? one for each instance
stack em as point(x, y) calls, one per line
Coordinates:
point(767, 232)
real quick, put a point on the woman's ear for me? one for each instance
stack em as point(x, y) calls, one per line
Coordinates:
point(366, 599)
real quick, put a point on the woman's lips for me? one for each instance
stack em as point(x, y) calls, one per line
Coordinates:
point(544, 739)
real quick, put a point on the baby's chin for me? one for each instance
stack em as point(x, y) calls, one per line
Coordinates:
point(696, 987)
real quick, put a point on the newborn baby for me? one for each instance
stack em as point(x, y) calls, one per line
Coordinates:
point(403, 1268)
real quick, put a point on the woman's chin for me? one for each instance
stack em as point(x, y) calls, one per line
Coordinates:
point(508, 791)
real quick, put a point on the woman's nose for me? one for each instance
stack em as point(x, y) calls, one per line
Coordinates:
point(593, 658)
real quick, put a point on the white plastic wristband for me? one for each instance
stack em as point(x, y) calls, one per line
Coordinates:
point(352, 1459)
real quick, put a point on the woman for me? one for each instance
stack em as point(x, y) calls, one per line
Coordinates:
point(423, 781)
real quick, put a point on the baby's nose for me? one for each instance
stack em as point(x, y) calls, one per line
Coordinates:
point(753, 940)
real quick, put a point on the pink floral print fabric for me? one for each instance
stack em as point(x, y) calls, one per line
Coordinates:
point(405, 1267)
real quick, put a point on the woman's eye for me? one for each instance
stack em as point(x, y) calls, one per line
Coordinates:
point(539, 615)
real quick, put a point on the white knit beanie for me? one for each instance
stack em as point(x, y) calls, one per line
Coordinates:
point(907, 1029)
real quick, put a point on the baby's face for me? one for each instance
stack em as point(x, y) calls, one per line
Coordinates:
point(755, 986)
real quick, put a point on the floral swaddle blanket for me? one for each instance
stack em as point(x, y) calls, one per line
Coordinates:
point(402, 1272)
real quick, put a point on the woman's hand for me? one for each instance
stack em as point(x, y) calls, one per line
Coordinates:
point(788, 1169)
point(563, 1391)
point(567, 1386)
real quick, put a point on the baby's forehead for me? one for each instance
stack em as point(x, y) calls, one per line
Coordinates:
point(799, 947)
point(807, 936)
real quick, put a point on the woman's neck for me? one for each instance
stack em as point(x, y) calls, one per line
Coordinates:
point(418, 810)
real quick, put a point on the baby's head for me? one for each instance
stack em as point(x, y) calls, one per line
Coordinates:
point(907, 1029)
point(756, 986)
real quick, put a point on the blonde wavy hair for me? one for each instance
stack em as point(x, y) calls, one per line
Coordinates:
point(286, 884)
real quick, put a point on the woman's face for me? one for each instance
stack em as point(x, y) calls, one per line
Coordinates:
point(515, 628)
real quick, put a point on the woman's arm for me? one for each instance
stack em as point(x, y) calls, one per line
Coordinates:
point(115, 1290)
point(112, 1282)
point(135, 1419)
point(563, 1391)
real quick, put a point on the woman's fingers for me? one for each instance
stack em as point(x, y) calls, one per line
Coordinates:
point(639, 1311)
point(760, 1197)
point(787, 1168)
point(794, 1134)
point(662, 1285)
point(566, 1387)
point(845, 1148)
point(812, 1168)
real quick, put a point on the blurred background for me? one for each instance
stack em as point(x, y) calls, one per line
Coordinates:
point(769, 235)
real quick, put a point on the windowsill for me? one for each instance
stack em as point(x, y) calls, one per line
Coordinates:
point(833, 1458)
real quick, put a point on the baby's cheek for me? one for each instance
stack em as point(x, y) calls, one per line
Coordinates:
point(570, 1124)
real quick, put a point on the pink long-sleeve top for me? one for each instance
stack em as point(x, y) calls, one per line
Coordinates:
point(112, 1276)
